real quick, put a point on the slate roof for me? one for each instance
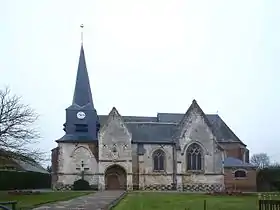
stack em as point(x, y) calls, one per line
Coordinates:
point(161, 129)
point(82, 92)
point(19, 162)
point(31, 166)
point(152, 132)
point(234, 162)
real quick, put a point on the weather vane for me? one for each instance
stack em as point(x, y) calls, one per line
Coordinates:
point(82, 38)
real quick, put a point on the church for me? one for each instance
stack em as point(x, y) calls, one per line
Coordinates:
point(189, 151)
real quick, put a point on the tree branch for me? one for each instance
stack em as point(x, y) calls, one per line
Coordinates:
point(17, 132)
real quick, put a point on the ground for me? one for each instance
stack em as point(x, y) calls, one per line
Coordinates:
point(29, 201)
point(186, 201)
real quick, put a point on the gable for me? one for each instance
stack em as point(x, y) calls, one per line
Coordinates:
point(114, 128)
point(194, 115)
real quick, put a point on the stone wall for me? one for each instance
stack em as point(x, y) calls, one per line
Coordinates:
point(147, 158)
point(115, 148)
point(69, 164)
point(66, 181)
point(135, 167)
point(114, 139)
point(196, 130)
point(103, 166)
point(202, 182)
point(154, 180)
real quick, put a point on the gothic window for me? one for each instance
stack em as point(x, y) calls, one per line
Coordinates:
point(158, 159)
point(194, 158)
point(240, 174)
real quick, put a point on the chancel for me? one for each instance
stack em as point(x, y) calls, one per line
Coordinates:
point(188, 151)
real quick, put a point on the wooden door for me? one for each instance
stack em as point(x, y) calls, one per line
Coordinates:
point(113, 182)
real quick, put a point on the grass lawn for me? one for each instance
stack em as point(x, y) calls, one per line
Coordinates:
point(185, 201)
point(29, 201)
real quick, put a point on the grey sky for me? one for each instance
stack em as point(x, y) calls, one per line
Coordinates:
point(145, 57)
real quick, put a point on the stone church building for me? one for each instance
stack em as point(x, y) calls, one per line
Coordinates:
point(189, 151)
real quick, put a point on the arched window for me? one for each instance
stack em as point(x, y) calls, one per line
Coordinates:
point(158, 159)
point(194, 157)
point(240, 174)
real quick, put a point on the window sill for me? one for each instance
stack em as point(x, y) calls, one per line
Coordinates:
point(159, 171)
point(195, 172)
point(240, 178)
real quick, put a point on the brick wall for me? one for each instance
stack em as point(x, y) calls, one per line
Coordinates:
point(55, 152)
point(247, 183)
point(235, 150)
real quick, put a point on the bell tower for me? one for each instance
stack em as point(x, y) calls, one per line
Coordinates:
point(82, 122)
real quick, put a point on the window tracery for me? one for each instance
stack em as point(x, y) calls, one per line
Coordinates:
point(194, 157)
point(159, 160)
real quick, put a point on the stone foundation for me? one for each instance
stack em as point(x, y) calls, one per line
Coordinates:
point(187, 188)
point(62, 187)
point(203, 187)
point(68, 187)
point(158, 187)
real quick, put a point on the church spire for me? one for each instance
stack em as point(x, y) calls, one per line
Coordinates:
point(82, 122)
point(82, 93)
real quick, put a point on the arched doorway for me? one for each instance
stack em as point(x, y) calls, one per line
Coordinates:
point(115, 178)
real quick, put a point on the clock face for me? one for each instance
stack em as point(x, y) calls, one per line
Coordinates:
point(81, 115)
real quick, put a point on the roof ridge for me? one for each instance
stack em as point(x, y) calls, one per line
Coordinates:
point(150, 122)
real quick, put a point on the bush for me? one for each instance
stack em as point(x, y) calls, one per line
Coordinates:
point(94, 187)
point(14, 180)
point(81, 184)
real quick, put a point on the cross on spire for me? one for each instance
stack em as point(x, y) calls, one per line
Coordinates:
point(82, 33)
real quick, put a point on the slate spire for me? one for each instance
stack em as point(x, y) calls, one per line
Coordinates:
point(85, 128)
point(82, 93)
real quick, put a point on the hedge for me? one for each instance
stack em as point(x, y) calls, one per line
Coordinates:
point(268, 179)
point(12, 180)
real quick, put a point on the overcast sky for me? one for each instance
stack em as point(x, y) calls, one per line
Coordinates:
point(145, 57)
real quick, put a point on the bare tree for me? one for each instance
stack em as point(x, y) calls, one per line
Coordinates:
point(260, 160)
point(17, 128)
